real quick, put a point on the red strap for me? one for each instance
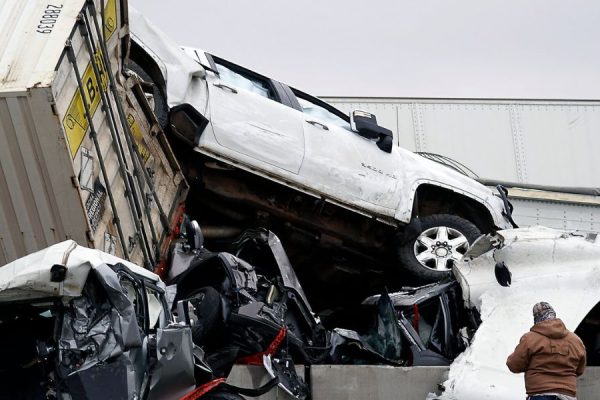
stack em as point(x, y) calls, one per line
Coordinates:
point(415, 321)
point(257, 359)
point(202, 390)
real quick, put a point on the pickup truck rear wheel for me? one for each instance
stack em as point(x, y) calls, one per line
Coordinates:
point(439, 242)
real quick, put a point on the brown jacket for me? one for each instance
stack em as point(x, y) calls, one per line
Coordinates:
point(551, 357)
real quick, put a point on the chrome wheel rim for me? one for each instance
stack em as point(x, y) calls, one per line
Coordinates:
point(439, 248)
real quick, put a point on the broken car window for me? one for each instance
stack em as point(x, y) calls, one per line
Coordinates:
point(133, 294)
point(244, 81)
point(155, 308)
point(429, 322)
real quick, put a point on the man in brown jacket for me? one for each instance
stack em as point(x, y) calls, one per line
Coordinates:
point(551, 357)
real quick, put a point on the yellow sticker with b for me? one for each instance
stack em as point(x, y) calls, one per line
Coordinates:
point(136, 132)
point(110, 19)
point(75, 121)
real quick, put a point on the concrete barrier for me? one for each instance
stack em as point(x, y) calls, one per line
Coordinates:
point(370, 382)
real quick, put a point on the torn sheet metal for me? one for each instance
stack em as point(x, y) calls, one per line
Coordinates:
point(288, 275)
point(99, 325)
point(173, 375)
point(282, 367)
point(546, 265)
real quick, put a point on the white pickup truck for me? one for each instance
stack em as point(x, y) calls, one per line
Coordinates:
point(267, 153)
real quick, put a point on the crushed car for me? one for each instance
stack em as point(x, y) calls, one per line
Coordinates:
point(258, 152)
point(247, 307)
point(502, 277)
point(242, 305)
point(422, 326)
point(77, 323)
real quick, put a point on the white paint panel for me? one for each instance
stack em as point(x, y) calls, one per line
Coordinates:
point(256, 126)
point(546, 265)
point(22, 65)
point(561, 144)
point(459, 130)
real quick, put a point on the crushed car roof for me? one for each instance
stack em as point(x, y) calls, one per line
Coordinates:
point(29, 277)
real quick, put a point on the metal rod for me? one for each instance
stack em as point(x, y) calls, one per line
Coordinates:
point(130, 192)
point(136, 157)
point(94, 136)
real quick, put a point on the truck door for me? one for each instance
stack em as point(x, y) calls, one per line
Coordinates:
point(248, 119)
point(345, 165)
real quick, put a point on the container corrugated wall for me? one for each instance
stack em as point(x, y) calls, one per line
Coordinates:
point(38, 202)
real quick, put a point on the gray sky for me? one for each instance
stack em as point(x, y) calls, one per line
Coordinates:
point(400, 48)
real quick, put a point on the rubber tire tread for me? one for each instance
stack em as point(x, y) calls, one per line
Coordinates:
point(406, 255)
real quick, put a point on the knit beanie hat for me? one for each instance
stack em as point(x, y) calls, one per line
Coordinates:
point(543, 311)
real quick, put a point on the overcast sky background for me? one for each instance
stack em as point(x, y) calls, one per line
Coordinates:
point(545, 49)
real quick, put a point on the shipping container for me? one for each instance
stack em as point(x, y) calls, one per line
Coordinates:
point(81, 154)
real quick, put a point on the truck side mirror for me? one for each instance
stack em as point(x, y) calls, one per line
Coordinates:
point(365, 124)
point(187, 124)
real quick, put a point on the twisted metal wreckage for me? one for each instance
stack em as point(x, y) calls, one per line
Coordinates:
point(85, 324)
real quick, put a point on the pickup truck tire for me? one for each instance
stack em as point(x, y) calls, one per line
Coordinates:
point(161, 109)
point(438, 242)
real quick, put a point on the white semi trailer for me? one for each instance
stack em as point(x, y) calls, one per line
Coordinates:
point(543, 151)
point(81, 154)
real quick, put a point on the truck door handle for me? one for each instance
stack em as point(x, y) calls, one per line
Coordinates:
point(317, 123)
point(223, 86)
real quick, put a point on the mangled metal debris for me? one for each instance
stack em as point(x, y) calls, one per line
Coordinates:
point(241, 313)
point(79, 318)
point(98, 328)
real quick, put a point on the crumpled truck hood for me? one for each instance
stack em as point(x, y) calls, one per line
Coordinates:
point(28, 278)
point(177, 67)
point(546, 265)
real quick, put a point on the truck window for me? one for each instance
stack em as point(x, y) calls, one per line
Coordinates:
point(242, 79)
point(318, 109)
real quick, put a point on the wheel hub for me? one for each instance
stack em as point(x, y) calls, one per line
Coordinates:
point(439, 248)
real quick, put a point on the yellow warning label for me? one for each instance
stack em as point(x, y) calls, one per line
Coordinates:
point(110, 19)
point(75, 121)
point(139, 137)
